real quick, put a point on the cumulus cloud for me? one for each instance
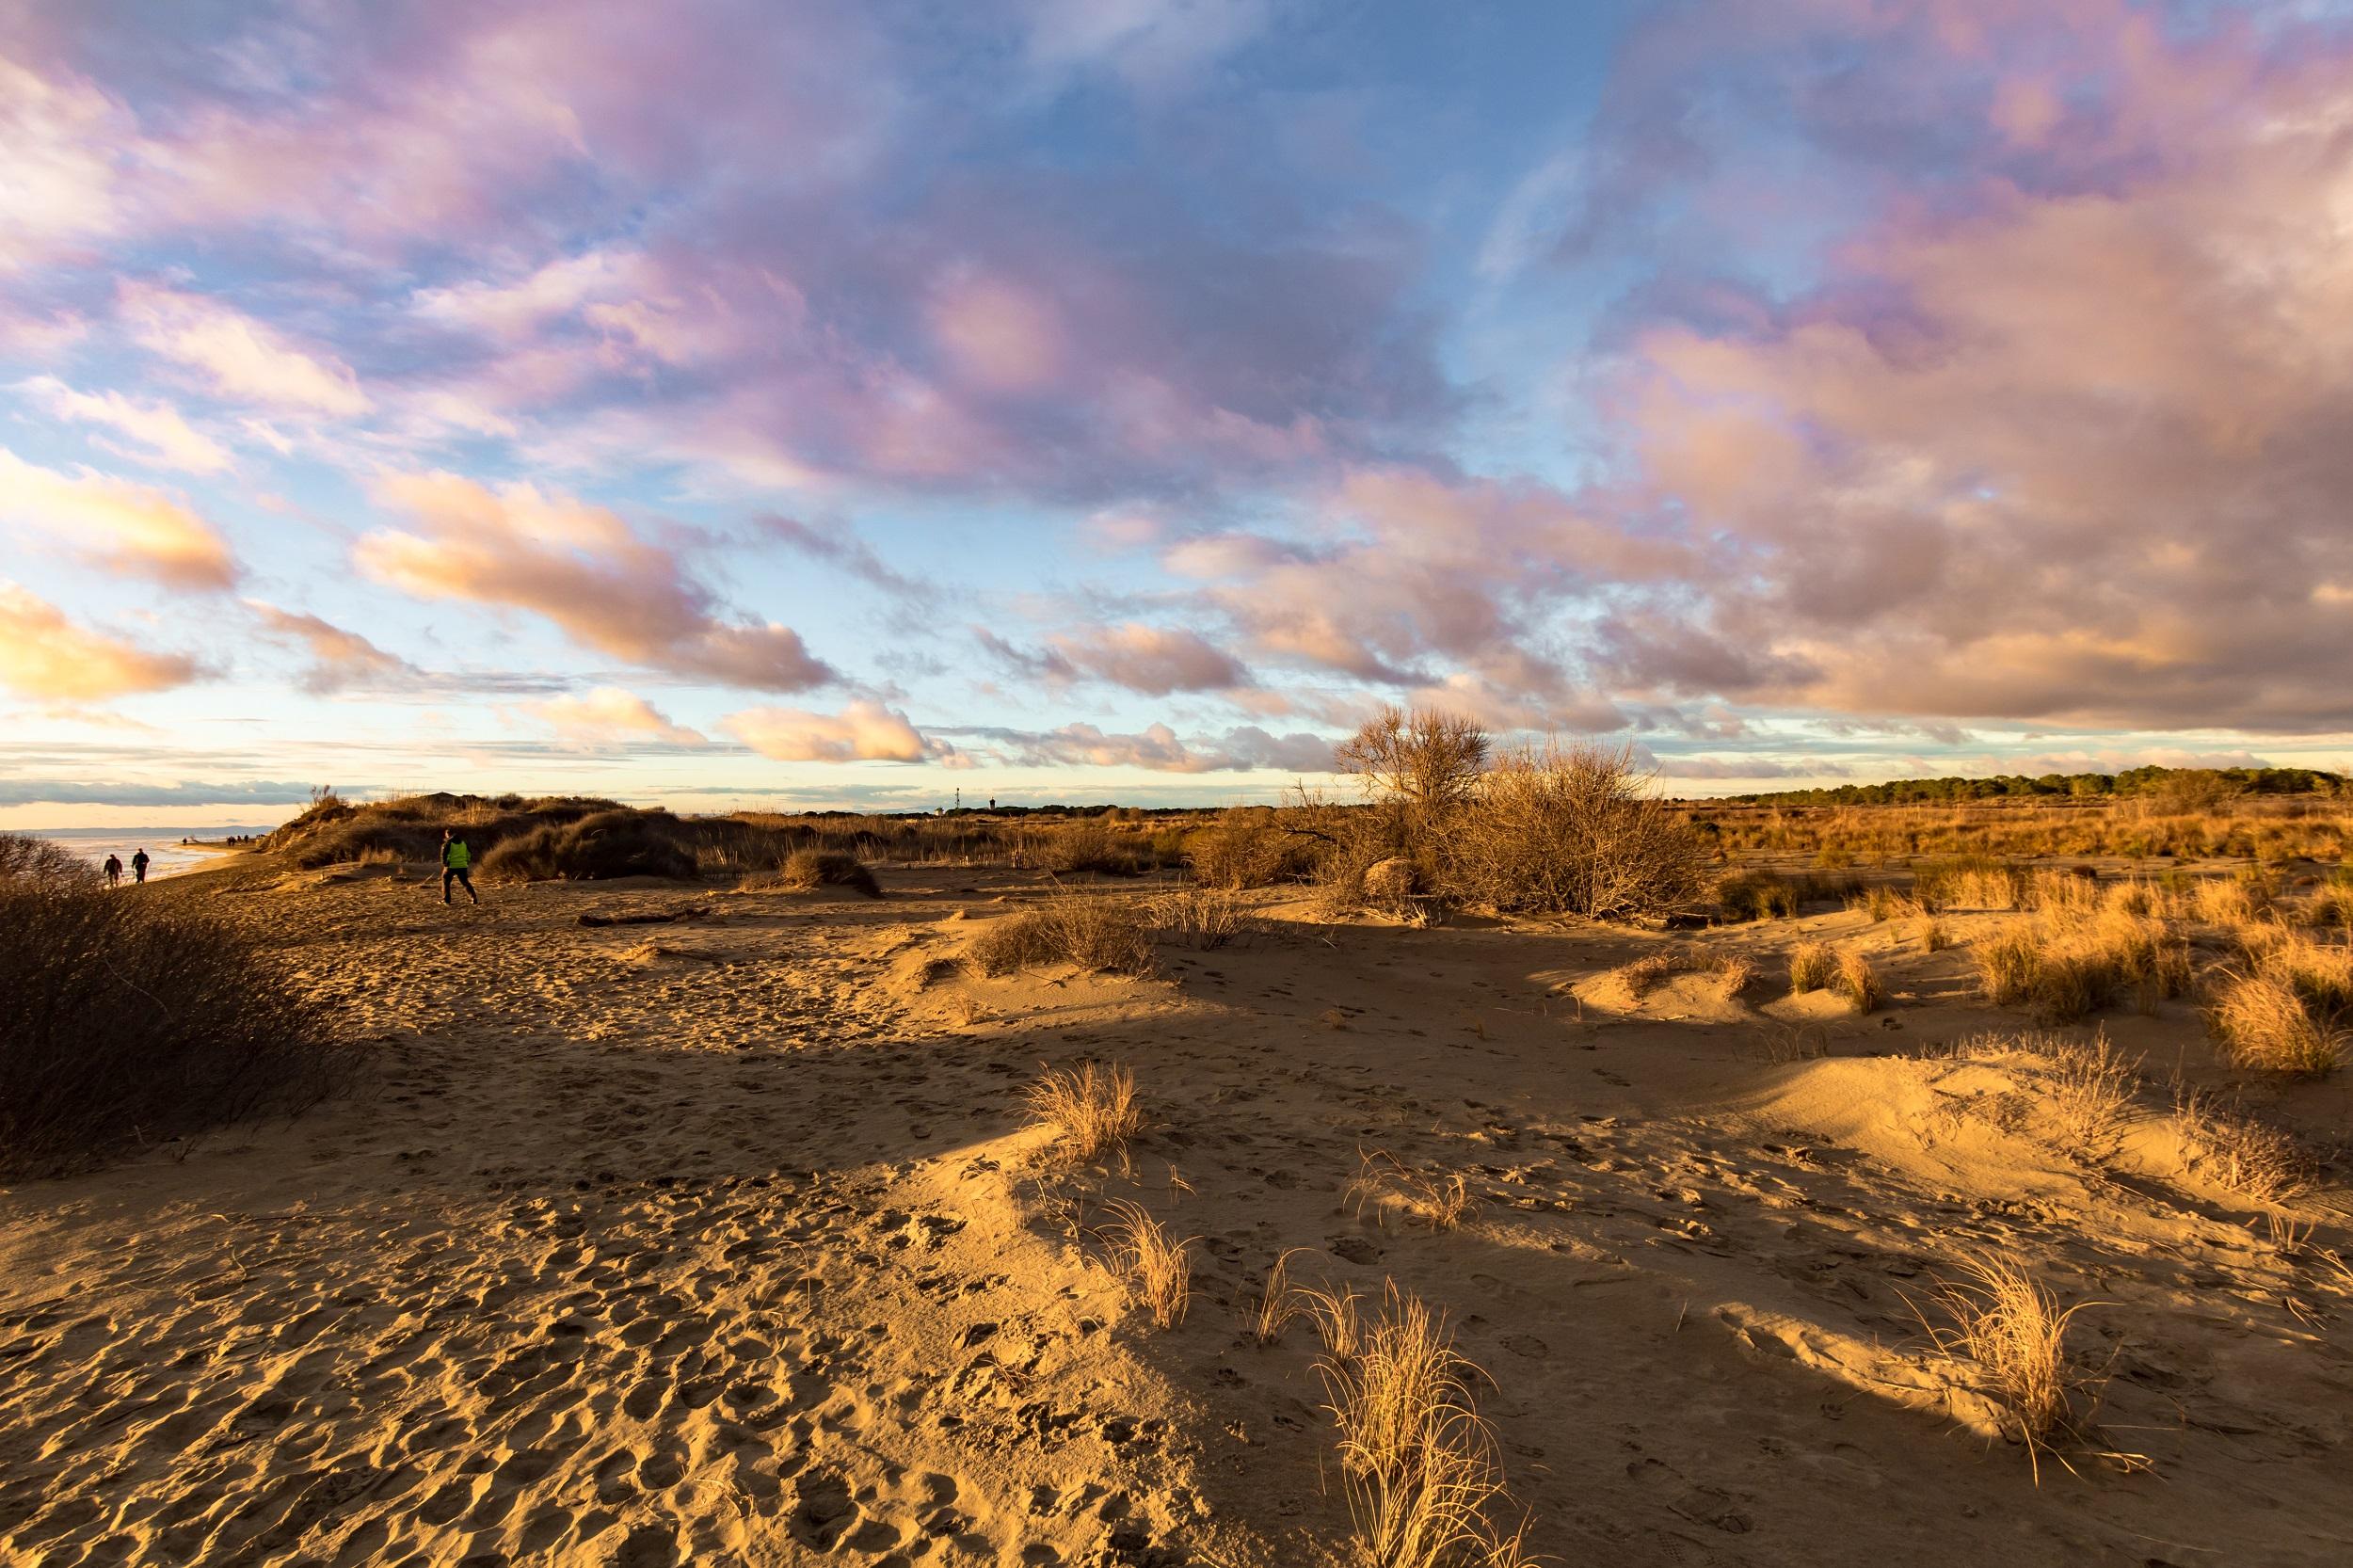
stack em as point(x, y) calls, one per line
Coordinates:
point(241, 359)
point(862, 731)
point(159, 436)
point(124, 527)
point(340, 660)
point(612, 713)
point(44, 655)
point(581, 567)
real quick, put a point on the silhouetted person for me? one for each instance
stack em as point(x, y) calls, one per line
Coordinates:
point(139, 866)
point(114, 871)
point(456, 857)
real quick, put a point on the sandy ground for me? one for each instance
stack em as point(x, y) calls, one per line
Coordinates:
point(726, 1241)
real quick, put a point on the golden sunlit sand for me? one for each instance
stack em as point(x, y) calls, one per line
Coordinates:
point(733, 1237)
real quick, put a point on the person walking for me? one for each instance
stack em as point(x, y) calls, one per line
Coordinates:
point(114, 870)
point(139, 866)
point(455, 859)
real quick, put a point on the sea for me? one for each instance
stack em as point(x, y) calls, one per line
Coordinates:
point(165, 855)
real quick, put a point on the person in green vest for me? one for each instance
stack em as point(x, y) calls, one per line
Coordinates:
point(456, 857)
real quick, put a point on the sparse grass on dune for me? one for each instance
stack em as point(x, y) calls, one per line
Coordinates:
point(1387, 1185)
point(1811, 965)
point(1094, 1109)
point(2242, 1152)
point(1936, 935)
point(1425, 1485)
point(1279, 1303)
point(1970, 882)
point(1633, 981)
point(1156, 1267)
point(2012, 1328)
point(1070, 928)
point(2087, 1084)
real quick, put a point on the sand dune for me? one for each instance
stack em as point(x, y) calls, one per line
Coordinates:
point(727, 1239)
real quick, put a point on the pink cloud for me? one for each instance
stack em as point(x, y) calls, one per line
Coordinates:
point(237, 356)
point(582, 568)
point(340, 658)
point(610, 714)
point(160, 436)
point(862, 731)
point(123, 527)
point(44, 655)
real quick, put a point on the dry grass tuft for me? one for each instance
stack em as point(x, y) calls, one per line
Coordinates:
point(1423, 1480)
point(2240, 1152)
point(2263, 1022)
point(1278, 1302)
point(2068, 963)
point(1634, 980)
point(1203, 918)
point(1857, 982)
point(1936, 935)
point(1095, 1108)
point(1070, 928)
point(2089, 1084)
point(1971, 882)
point(1811, 965)
point(1156, 1267)
point(2012, 1328)
point(1387, 1185)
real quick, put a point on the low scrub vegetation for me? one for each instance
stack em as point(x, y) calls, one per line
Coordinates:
point(1857, 982)
point(1631, 982)
point(129, 1021)
point(1572, 830)
point(1760, 895)
point(1201, 919)
point(1250, 846)
point(808, 870)
point(2088, 1085)
point(2262, 1021)
point(595, 848)
point(1073, 928)
point(2241, 1151)
point(1812, 966)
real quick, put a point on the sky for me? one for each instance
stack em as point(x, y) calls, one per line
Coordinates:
point(783, 404)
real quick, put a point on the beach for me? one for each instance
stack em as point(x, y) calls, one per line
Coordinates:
point(717, 1230)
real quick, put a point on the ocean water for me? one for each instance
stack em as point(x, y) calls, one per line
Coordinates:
point(164, 854)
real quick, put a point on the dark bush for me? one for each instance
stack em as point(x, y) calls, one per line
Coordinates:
point(596, 848)
point(130, 1020)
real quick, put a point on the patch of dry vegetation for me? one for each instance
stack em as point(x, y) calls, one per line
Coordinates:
point(2069, 963)
point(1072, 928)
point(1094, 1110)
point(805, 871)
point(2012, 1328)
point(1279, 1303)
point(1201, 919)
point(1574, 829)
point(1155, 1266)
point(1386, 1186)
point(1424, 1483)
point(2088, 1085)
point(2263, 1022)
point(2240, 1151)
point(129, 1021)
point(1629, 982)
point(1857, 982)
point(1812, 966)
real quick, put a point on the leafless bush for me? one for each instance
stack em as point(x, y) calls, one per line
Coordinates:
point(129, 1021)
point(26, 859)
point(1248, 846)
point(1203, 918)
point(1573, 830)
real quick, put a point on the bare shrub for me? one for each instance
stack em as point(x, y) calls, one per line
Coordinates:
point(1203, 918)
point(1418, 768)
point(1091, 933)
point(2240, 1151)
point(29, 860)
point(806, 870)
point(1091, 845)
point(1425, 1487)
point(2263, 1022)
point(1247, 846)
point(1389, 886)
point(1812, 966)
point(603, 845)
point(2013, 1329)
point(130, 1020)
point(1387, 1185)
point(1156, 1267)
point(1857, 982)
point(1575, 830)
